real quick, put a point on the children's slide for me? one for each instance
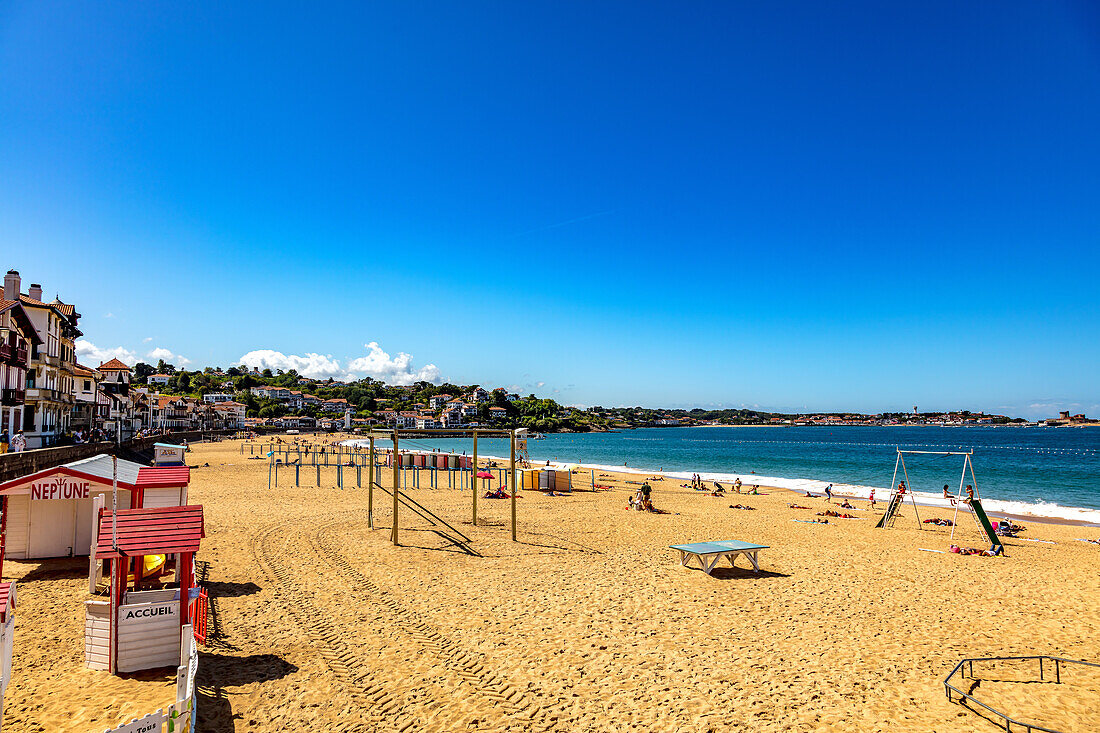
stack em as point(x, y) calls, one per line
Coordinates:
point(891, 510)
point(983, 520)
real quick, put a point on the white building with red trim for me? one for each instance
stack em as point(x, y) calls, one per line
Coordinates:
point(49, 513)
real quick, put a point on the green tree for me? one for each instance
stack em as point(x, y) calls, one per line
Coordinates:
point(142, 372)
point(183, 382)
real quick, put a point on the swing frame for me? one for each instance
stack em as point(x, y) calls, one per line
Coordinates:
point(968, 464)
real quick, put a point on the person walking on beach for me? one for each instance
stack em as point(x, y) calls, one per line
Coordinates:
point(829, 493)
point(737, 485)
point(872, 498)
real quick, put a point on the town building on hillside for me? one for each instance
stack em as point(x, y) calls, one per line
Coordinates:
point(17, 338)
point(439, 400)
point(477, 396)
point(338, 404)
point(159, 378)
point(216, 397)
point(451, 418)
point(49, 385)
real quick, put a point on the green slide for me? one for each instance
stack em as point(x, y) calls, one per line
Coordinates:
point(891, 510)
point(983, 520)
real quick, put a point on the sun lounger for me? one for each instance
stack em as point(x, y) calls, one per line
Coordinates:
point(709, 553)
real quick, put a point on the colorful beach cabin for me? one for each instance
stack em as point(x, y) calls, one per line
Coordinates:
point(49, 513)
point(138, 627)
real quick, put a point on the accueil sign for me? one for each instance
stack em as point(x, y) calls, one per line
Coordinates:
point(60, 487)
point(149, 612)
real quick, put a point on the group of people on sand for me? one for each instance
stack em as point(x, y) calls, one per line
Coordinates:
point(642, 500)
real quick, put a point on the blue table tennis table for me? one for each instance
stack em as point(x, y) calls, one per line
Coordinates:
point(709, 553)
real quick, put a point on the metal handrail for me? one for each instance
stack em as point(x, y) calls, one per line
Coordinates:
point(1009, 722)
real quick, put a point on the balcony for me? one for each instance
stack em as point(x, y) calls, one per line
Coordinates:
point(11, 354)
point(12, 397)
point(41, 394)
point(50, 360)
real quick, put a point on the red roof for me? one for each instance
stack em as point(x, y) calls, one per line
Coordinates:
point(114, 365)
point(163, 477)
point(159, 531)
point(7, 600)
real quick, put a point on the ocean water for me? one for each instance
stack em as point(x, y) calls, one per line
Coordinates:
point(1051, 472)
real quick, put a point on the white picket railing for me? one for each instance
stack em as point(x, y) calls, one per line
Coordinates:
point(180, 716)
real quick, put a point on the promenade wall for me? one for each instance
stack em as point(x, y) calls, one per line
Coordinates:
point(14, 465)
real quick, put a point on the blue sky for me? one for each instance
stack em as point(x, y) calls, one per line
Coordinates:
point(797, 206)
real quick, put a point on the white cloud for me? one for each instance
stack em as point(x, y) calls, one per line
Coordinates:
point(314, 366)
point(396, 370)
point(109, 315)
point(162, 353)
point(93, 355)
point(377, 364)
point(147, 339)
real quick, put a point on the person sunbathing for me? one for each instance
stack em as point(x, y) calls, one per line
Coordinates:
point(974, 551)
point(831, 513)
point(940, 522)
point(742, 506)
point(797, 506)
point(845, 505)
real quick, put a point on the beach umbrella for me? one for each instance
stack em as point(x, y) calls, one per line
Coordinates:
point(484, 474)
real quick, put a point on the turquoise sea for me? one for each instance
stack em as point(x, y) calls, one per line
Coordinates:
point(1042, 471)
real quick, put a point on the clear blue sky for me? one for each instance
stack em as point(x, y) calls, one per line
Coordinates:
point(796, 206)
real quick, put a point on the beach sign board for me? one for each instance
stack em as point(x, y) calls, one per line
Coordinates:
point(60, 487)
point(166, 454)
point(149, 724)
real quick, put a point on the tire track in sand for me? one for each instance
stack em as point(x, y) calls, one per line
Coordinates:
point(467, 666)
point(381, 710)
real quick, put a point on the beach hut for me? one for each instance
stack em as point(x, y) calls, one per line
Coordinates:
point(7, 634)
point(49, 513)
point(529, 478)
point(554, 480)
point(140, 628)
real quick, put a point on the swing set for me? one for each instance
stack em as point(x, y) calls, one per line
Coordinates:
point(967, 496)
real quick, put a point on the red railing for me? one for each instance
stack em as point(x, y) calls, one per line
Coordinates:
point(200, 608)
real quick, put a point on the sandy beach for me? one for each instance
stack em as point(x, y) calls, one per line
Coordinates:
point(587, 623)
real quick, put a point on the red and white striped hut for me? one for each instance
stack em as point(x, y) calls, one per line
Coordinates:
point(140, 628)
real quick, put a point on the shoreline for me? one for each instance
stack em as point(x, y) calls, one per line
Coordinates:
point(1015, 510)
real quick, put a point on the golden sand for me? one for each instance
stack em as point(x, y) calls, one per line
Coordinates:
point(588, 623)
